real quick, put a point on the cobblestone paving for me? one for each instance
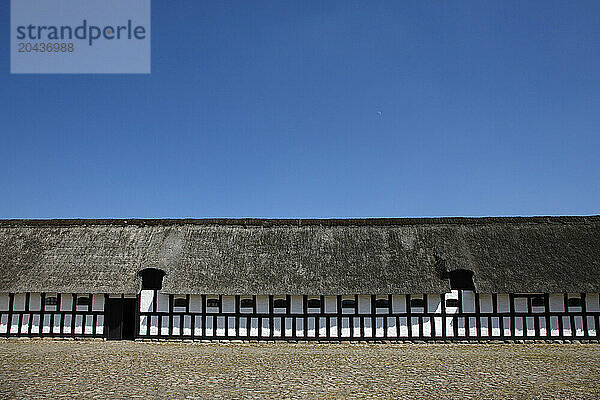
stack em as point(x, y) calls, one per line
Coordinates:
point(86, 369)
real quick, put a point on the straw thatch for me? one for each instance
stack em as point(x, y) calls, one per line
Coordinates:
point(538, 254)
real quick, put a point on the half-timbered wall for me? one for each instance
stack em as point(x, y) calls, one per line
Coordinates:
point(458, 314)
point(52, 314)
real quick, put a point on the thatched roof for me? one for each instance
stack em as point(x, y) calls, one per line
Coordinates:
point(247, 256)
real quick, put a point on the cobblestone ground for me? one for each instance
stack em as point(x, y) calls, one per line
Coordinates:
point(86, 369)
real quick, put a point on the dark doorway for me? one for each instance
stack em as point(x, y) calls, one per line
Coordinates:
point(120, 319)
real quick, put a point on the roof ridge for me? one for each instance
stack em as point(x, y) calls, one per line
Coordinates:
point(302, 221)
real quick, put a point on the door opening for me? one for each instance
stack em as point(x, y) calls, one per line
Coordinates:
point(120, 318)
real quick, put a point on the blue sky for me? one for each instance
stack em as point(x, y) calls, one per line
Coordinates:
point(318, 109)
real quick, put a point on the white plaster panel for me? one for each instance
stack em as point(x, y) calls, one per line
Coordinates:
point(379, 327)
point(262, 304)
point(346, 327)
point(591, 323)
point(46, 326)
point(578, 325)
point(228, 304)
point(67, 324)
point(518, 326)
point(331, 304)
point(154, 325)
point(486, 304)
point(163, 303)
point(530, 326)
point(310, 325)
point(427, 326)
point(591, 302)
point(296, 304)
point(100, 324)
point(566, 326)
point(98, 302)
point(449, 327)
point(403, 321)
point(333, 327)
point(460, 321)
point(503, 303)
point(209, 323)
point(4, 302)
point(356, 327)
point(79, 324)
point(4, 323)
point(277, 326)
point(472, 326)
point(164, 327)
point(554, 328)
point(220, 326)
point(415, 326)
point(66, 302)
point(198, 325)
point(56, 324)
point(89, 325)
point(243, 329)
point(434, 304)
point(521, 304)
point(175, 325)
point(143, 324)
point(484, 327)
point(468, 301)
point(253, 326)
point(265, 327)
point(437, 323)
point(195, 303)
point(35, 323)
point(19, 302)
point(557, 302)
point(542, 324)
point(322, 327)
point(231, 328)
point(495, 326)
point(146, 300)
point(392, 329)
point(398, 304)
point(364, 304)
point(35, 302)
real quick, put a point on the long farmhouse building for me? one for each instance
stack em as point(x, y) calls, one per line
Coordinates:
point(342, 279)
